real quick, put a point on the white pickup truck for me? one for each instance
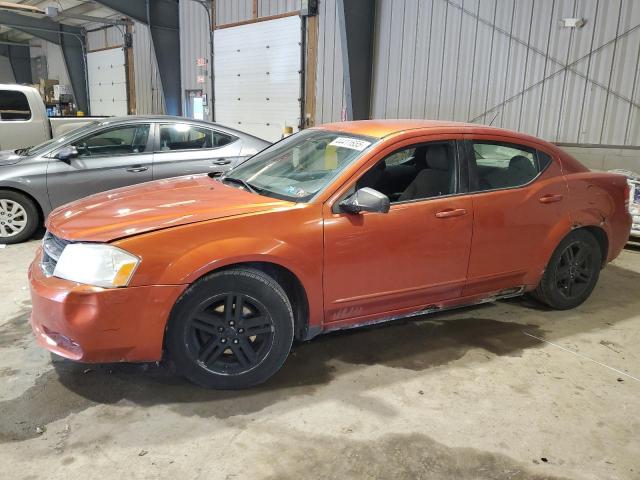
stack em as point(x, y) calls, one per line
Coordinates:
point(24, 121)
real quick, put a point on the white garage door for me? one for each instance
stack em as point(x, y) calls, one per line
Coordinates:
point(257, 76)
point(107, 82)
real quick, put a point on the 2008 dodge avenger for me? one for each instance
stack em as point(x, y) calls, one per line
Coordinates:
point(337, 226)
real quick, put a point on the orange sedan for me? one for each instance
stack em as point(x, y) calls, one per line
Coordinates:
point(335, 227)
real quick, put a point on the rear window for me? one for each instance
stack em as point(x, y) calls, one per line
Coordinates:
point(14, 106)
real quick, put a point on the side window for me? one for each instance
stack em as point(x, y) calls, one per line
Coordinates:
point(504, 165)
point(414, 173)
point(221, 139)
point(182, 136)
point(125, 140)
point(14, 106)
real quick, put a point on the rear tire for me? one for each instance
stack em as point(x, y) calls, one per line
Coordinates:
point(572, 272)
point(232, 329)
point(19, 217)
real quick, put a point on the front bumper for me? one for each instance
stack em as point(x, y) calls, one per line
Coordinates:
point(93, 324)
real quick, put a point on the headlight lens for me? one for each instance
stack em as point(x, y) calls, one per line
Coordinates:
point(96, 264)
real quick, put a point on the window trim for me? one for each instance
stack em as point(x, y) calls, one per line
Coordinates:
point(26, 99)
point(159, 125)
point(109, 128)
point(460, 165)
point(469, 152)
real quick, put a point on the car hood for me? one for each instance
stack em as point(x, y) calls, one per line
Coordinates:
point(9, 157)
point(152, 206)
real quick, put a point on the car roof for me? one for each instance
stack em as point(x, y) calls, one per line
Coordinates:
point(384, 128)
point(174, 118)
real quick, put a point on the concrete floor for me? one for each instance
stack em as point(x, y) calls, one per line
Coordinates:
point(479, 393)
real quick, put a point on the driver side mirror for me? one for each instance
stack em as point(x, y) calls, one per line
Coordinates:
point(67, 153)
point(366, 200)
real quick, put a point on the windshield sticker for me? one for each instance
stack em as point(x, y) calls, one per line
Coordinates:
point(351, 143)
point(295, 191)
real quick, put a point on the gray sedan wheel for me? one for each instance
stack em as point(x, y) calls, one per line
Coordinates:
point(18, 217)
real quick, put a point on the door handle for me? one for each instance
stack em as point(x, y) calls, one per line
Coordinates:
point(551, 198)
point(221, 161)
point(451, 212)
point(137, 169)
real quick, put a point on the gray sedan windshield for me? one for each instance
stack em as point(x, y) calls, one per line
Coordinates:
point(300, 166)
point(58, 141)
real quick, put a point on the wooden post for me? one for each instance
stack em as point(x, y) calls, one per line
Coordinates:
point(311, 69)
point(131, 78)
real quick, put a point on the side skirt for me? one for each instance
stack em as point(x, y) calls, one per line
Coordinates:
point(508, 293)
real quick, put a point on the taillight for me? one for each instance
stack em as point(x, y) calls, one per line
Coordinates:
point(627, 196)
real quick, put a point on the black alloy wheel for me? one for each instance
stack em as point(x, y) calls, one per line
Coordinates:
point(229, 334)
point(572, 272)
point(231, 329)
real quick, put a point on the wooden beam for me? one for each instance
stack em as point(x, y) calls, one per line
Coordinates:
point(21, 8)
point(255, 9)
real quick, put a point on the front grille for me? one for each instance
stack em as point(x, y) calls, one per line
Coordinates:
point(52, 248)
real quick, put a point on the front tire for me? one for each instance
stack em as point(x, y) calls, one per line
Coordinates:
point(572, 272)
point(19, 217)
point(232, 329)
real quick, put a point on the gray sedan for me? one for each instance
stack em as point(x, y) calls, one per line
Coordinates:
point(108, 154)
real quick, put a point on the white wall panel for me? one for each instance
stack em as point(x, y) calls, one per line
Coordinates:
point(257, 80)
point(107, 82)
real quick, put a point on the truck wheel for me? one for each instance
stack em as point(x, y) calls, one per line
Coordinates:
point(572, 272)
point(232, 329)
point(19, 217)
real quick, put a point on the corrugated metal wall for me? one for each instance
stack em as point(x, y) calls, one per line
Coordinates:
point(6, 72)
point(511, 62)
point(194, 44)
point(149, 96)
point(276, 7)
point(329, 78)
point(232, 11)
point(105, 38)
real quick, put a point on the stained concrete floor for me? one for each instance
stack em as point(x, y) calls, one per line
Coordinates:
point(503, 391)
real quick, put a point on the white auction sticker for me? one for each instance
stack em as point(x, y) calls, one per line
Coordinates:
point(352, 143)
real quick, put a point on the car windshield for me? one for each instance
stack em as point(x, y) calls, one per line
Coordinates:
point(43, 147)
point(300, 166)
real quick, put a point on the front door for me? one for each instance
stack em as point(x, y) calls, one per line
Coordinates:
point(111, 158)
point(378, 265)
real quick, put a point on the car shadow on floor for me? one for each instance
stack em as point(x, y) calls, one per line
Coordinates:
point(406, 345)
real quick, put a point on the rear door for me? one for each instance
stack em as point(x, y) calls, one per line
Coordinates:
point(519, 197)
point(186, 149)
point(114, 157)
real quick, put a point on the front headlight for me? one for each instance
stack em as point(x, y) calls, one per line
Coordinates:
point(96, 264)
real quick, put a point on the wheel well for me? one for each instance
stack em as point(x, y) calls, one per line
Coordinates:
point(30, 197)
point(291, 286)
point(603, 240)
